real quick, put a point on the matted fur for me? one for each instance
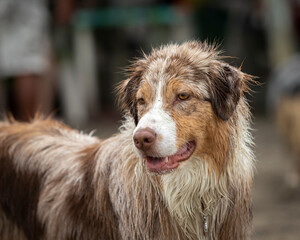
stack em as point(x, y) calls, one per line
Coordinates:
point(57, 183)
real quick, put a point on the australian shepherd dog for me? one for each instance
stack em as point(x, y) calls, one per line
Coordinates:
point(180, 168)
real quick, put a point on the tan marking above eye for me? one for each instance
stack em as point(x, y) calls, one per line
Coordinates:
point(183, 96)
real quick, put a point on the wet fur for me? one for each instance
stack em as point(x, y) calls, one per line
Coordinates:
point(57, 183)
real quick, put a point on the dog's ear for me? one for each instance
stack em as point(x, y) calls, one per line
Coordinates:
point(226, 88)
point(127, 92)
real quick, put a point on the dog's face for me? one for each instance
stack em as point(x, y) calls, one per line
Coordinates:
point(177, 96)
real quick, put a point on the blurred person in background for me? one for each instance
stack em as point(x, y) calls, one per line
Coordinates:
point(284, 81)
point(25, 57)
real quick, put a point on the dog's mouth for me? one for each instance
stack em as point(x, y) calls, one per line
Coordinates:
point(166, 164)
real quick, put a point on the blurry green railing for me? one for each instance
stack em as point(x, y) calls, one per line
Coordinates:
point(118, 17)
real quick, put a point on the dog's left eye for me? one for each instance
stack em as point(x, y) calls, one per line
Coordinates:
point(141, 101)
point(183, 96)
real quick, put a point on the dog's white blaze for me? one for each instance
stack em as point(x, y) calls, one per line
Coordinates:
point(162, 123)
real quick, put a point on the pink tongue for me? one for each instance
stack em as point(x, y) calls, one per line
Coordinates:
point(156, 164)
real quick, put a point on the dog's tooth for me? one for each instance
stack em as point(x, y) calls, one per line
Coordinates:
point(167, 159)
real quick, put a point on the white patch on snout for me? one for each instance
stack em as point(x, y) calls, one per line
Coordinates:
point(162, 124)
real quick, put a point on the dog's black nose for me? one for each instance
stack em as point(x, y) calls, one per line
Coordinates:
point(144, 138)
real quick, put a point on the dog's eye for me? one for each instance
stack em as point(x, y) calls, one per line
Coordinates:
point(141, 101)
point(183, 96)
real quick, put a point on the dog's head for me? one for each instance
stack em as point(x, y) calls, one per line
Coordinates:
point(178, 96)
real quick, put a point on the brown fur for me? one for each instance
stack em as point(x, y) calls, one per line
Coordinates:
point(56, 183)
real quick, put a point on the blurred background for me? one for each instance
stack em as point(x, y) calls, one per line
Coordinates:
point(65, 57)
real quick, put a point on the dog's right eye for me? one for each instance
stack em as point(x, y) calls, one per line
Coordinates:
point(183, 96)
point(141, 101)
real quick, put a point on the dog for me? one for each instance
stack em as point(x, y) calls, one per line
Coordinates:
point(288, 123)
point(180, 168)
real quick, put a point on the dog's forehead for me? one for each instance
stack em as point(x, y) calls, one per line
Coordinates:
point(157, 70)
point(177, 63)
point(188, 63)
point(161, 71)
point(164, 71)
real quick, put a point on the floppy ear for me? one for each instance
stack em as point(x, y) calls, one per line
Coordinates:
point(127, 93)
point(226, 91)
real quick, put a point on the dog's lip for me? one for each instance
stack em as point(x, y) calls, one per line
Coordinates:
point(161, 164)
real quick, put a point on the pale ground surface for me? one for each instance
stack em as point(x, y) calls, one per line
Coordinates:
point(276, 206)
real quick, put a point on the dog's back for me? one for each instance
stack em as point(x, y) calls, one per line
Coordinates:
point(46, 178)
